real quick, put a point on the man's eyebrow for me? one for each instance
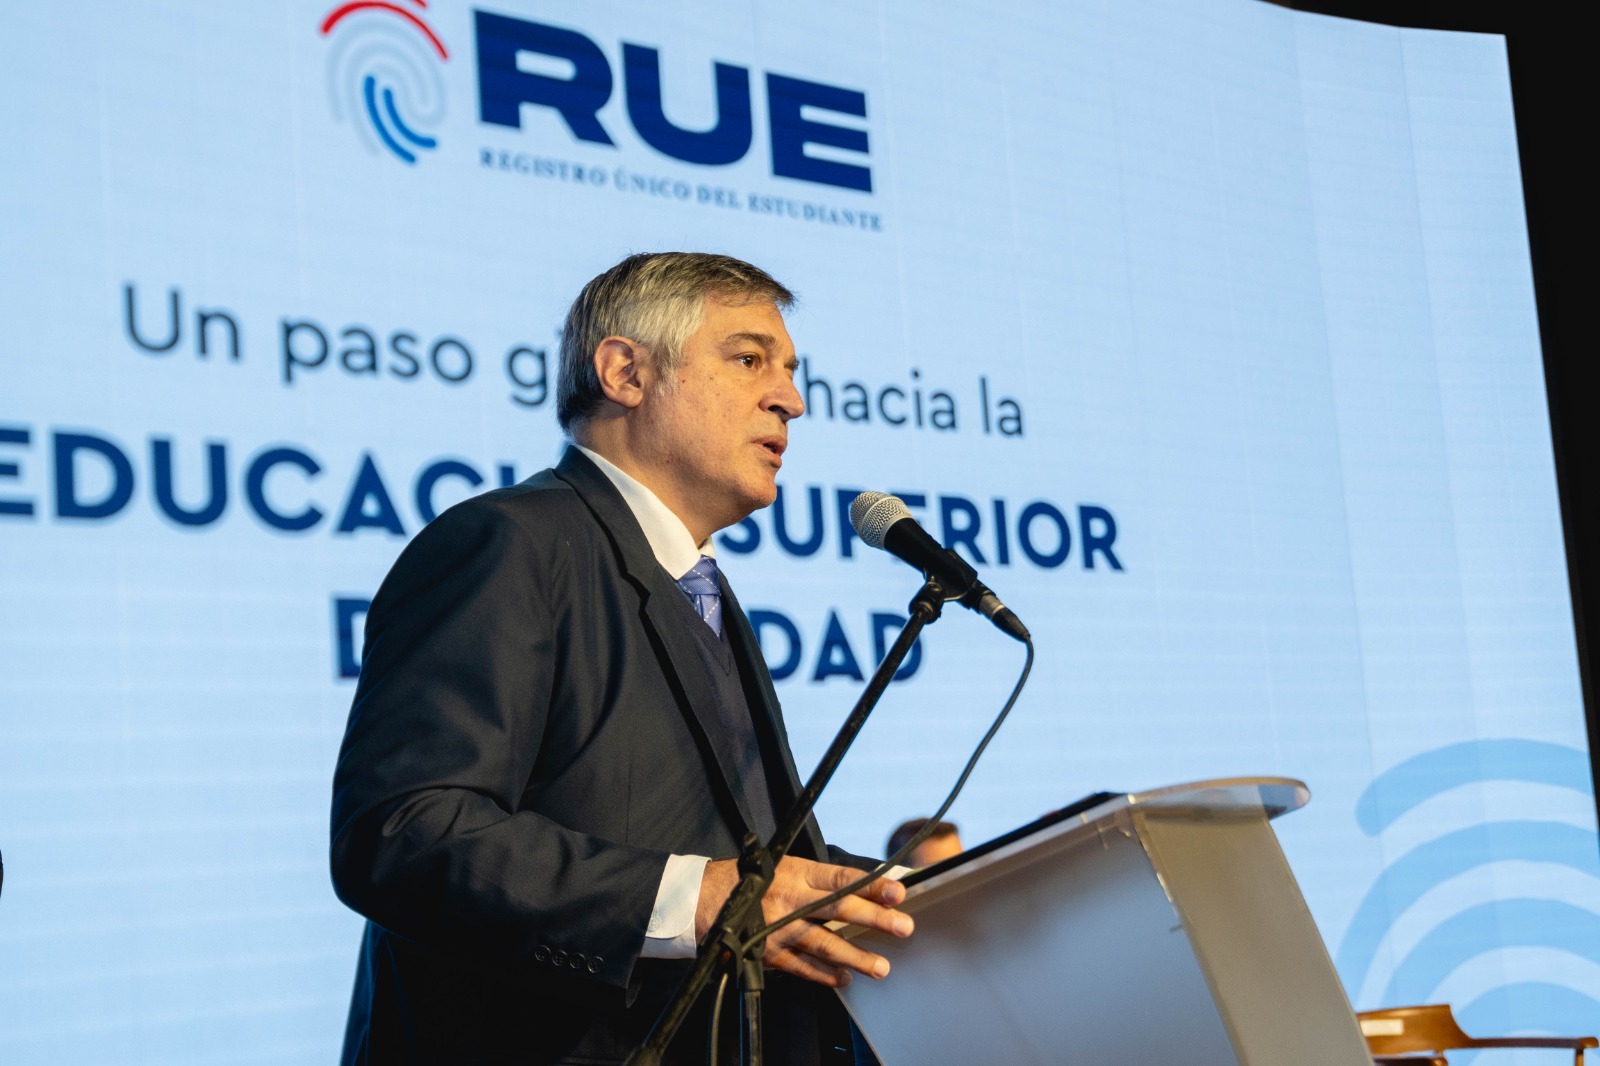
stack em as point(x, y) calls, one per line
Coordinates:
point(764, 340)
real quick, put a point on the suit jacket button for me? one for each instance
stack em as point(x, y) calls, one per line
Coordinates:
point(595, 964)
point(559, 958)
point(541, 953)
point(578, 960)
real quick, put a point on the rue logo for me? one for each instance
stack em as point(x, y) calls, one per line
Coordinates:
point(522, 62)
point(385, 78)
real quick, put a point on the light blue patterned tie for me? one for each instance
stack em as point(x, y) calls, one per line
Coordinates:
point(700, 585)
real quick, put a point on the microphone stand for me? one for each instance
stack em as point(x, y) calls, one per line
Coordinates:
point(740, 918)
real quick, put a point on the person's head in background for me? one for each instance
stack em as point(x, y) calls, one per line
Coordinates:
point(942, 843)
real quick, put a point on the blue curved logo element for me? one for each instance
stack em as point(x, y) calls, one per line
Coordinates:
point(383, 75)
point(1453, 940)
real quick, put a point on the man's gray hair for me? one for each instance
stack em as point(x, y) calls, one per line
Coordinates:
point(657, 300)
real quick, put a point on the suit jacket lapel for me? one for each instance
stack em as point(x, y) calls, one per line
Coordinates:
point(675, 644)
point(743, 638)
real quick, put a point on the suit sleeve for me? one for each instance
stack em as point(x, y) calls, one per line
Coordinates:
point(455, 690)
point(840, 857)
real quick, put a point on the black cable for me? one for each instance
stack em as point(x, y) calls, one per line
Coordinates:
point(716, 1021)
point(922, 834)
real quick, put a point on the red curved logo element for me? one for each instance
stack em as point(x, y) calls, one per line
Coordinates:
point(340, 12)
point(386, 76)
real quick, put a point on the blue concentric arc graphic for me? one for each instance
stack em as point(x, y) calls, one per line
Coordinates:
point(1424, 776)
point(1412, 875)
point(1564, 927)
point(369, 87)
point(1537, 1006)
point(384, 79)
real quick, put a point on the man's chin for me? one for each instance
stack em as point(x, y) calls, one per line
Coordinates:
point(762, 496)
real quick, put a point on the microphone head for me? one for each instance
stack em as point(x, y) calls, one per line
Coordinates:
point(873, 513)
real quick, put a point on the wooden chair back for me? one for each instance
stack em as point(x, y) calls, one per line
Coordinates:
point(1399, 1031)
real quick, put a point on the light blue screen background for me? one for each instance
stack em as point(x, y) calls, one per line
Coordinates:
point(1257, 282)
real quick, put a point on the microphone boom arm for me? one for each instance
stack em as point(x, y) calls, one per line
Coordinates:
point(725, 944)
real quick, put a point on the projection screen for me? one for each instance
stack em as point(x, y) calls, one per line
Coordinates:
point(1206, 331)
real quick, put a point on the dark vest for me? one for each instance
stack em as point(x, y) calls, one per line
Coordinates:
point(804, 1022)
point(734, 698)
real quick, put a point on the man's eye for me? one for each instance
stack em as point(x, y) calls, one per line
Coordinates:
point(748, 360)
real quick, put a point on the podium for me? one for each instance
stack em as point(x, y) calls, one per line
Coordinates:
point(1160, 927)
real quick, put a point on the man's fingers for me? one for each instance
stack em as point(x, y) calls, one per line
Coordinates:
point(825, 947)
point(800, 881)
point(807, 967)
point(858, 911)
point(889, 893)
point(828, 879)
point(808, 950)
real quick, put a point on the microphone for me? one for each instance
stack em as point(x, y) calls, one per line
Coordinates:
point(884, 521)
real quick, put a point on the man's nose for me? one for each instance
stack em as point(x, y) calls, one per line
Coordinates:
point(787, 402)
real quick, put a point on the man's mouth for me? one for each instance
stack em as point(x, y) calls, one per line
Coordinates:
point(775, 445)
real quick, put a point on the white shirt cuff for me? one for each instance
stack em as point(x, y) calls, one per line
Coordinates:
point(670, 934)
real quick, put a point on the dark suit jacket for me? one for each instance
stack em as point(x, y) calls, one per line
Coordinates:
point(532, 735)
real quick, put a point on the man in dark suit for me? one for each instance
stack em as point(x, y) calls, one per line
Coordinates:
point(564, 725)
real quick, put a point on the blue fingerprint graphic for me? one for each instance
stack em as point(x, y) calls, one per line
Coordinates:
point(1411, 876)
point(384, 79)
point(399, 123)
point(1538, 1006)
point(1560, 928)
point(369, 87)
point(1543, 923)
point(1424, 776)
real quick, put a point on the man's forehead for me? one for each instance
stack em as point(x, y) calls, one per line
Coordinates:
point(756, 322)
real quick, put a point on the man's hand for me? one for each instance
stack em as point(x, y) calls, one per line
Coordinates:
point(805, 947)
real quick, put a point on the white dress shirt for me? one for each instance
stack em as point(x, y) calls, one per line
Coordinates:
point(670, 934)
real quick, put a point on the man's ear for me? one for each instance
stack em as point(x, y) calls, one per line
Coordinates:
point(619, 363)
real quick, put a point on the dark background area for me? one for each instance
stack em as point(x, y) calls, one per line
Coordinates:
point(1552, 96)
